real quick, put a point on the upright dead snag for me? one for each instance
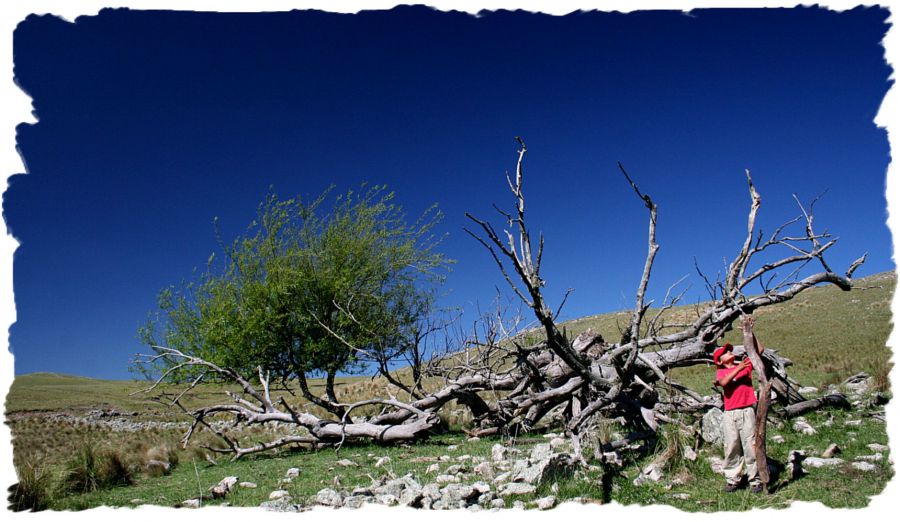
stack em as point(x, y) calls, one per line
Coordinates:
point(752, 347)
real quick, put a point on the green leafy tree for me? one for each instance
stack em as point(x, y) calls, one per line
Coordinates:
point(309, 291)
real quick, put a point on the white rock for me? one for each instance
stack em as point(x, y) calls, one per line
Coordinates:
point(778, 439)
point(473, 439)
point(877, 447)
point(864, 466)
point(463, 458)
point(346, 463)
point(832, 450)
point(545, 502)
point(445, 458)
point(446, 479)
point(518, 505)
point(247, 485)
point(191, 503)
point(871, 458)
point(557, 443)
point(382, 461)
point(689, 453)
point(434, 468)
point(517, 488)
point(804, 427)
point(452, 447)
point(498, 452)
point(817, 462)
point(808, 389)
point(223, 487)
point(855, 422)
point(292, 473)
point(681, 496)
point(329, 497)
point(279, 493)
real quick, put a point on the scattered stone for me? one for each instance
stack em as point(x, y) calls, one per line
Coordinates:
point(855, 422)
point(517, 488)
point(382, 461)
point(498, 452)
point(502, 478)
point(292, 473)
point(387, 500)
point(871, 458)
point(711, 426)
point(877, 447)
point(817, 462)
point(355, 502)
point(223, 487)
point(485, 470)
point(279, 493)
point(463, 458)
point(329, 497)
point(281, 505)
point(557, 443)
point(137, 501)
point(832, 450)
point(446, 479)
point(444, 458)
point(864, 466)
point(247, 485)
point(452, 447)
point(191, 503)
point(455, 469)
point(473, 439)
point(651, 473)
point(346, 463)
point(689, 453)
point(803, 427)
point(808, 389)
point(498, 503)
point(778, 439)
point(518, 505)
point(554, 466)
point(545, 502)
point(612, 457)
point(434, 468)
point(541, 452)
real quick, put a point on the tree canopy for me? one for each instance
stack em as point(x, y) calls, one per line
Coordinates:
point(309, 288)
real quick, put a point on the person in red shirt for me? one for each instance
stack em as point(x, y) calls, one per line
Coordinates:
point(739, 424)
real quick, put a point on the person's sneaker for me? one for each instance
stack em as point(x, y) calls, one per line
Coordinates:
point(757, 488)
point(730, 488)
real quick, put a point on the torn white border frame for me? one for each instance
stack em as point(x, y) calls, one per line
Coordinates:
point(17, 109)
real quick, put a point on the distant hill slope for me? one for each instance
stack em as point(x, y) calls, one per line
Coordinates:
point(829, 334)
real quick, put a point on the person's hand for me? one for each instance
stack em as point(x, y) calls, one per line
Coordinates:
point(748, 323)
point(745, 363)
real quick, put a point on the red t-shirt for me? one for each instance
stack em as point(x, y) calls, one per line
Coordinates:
point(739, 391)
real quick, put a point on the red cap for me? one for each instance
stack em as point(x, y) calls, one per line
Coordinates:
point(721, 351)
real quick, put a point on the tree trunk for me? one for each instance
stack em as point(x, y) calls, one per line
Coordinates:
point(762, 404)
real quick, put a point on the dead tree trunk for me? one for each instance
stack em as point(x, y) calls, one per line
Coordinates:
point(764, 387)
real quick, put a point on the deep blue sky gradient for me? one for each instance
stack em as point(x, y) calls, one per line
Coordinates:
point(153, 123)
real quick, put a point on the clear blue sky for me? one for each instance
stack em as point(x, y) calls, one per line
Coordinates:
point(153, 123)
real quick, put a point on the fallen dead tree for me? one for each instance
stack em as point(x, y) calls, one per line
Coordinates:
point(510, 384)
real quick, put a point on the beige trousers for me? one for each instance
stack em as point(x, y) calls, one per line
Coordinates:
point(739, 428)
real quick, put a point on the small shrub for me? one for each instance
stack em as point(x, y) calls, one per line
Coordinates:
point(90, 470)
point(33, 491)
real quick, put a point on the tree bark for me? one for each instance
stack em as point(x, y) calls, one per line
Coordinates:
point(762, 404)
